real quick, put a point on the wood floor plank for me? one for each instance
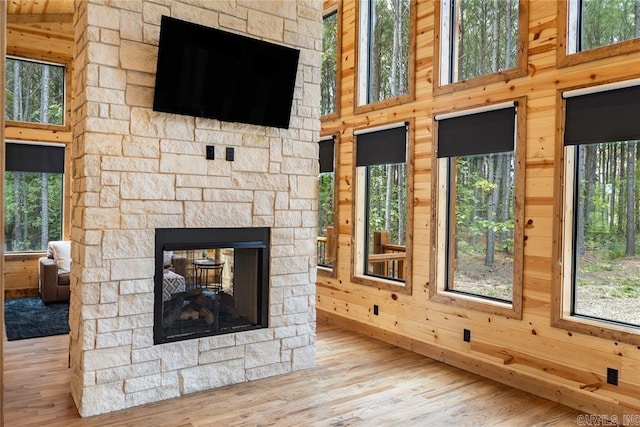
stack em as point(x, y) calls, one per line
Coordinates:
point(358, 381)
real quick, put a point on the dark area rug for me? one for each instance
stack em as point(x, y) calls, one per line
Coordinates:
point(31, 318)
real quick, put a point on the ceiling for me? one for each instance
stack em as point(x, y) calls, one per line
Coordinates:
point(43, 16)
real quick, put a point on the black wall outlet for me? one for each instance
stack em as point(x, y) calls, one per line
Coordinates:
point(612, 376)
point(229, 154)
point(211, 153)
point(375, 309)
point(466, 335)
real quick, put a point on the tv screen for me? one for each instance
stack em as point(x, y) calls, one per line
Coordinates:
point(207, 72)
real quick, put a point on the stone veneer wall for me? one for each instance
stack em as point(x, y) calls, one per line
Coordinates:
point(135, 170)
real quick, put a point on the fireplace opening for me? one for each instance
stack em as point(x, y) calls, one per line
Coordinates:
point(210, 281)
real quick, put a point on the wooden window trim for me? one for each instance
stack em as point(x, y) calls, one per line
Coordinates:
point(330, 7)
point(324, 271)
point(565, 59)
point(391, 102)
point(437, 292)
point(561, 286)
point(502, 76)
point(405, 287)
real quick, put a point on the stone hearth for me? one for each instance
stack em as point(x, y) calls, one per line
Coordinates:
point(135, 170)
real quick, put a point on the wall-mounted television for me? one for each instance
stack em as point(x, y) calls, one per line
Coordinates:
point(207, 72)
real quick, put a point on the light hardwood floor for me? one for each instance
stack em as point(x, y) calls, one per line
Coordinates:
point(358, 381)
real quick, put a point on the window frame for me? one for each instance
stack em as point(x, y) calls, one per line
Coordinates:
point(360, 202)
point(566, 40)
point(66, 108)
point(329, 8)
point(441, 218)
point(360, 103)
point(564, 208)
point(442, 38)
point(322, 270)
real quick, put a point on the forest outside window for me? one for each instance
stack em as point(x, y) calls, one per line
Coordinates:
point(479, 216)
point(33, 196)
point(329, 65)
point(326, 241)
point(481, 38)
point(380, 253)
point(35, 92)
point(601, 273)
point(384, 55)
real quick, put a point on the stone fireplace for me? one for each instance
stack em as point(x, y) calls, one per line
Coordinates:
point(210, 281)
point(136, 171)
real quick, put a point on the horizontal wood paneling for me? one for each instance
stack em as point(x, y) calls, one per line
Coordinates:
point(21, 275)
point(549, 361)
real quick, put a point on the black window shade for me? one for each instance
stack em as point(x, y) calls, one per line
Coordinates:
point(609, 116)
point(34, 158)
point(381, 147)
point(326, 155)
point(481, 133)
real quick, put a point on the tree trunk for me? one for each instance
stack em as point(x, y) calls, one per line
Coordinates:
point(496, 27)
point(506, 197)
point(44, 96)
point(622, 192)
point(44, 230)
point(402, 202)
point(590, 175)
point(579, 214)
point(17, 92)
point(493, 175)
point(631, 169)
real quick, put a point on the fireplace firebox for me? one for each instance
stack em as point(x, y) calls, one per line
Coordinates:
point(210, 281)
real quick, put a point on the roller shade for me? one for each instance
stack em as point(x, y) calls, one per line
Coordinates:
point(326, 155)
point(382, 147)
point(607, 116)
point(34, 158)
point(481, 133)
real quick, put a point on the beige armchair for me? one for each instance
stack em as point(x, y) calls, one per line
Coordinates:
point(54, 271)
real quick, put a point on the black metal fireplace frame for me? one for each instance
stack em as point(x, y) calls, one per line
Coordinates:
point(198, 238)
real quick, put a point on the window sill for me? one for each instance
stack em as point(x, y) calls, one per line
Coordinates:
point(383, 284)
point(599, 328)
point(470, 302)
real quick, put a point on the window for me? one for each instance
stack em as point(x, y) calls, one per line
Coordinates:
point(481, 38)
point(601, 277)
point(381, 250)
point(384, 54)
point(329, 66)
point(34, 92)
point(33, 196)
point(592, 28)
point(479, 212)
point(327, 232)
point(601, 23)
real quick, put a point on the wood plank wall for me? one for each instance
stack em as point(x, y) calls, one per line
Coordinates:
point(529, 354)
point(46, 43)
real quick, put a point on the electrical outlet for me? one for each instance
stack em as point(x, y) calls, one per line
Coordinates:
point(211, 153)
point(612, 376)
point(375, 309)
point(466, 335)
point(230, 154)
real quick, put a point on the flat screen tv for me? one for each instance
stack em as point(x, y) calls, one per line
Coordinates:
point(206, 72)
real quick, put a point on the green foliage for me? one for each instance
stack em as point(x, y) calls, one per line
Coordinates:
point(487, 37)
point(328, 67)
point(325, 201)
point(24, 210)
point(389, 49)
point(606, 22)
point(34, 92)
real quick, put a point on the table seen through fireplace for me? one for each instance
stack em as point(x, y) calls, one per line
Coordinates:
point(205, 267)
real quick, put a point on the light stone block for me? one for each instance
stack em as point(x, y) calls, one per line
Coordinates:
point(179, 355)
point(262, 353)
point(212, 375)
point(221, 355)
point(194, 14)
point(136, 286)
point(296, 305)
point(130, 25)
point(103, 16)
point(152, 395)
point(121, 373)
point(100, 399)
point(183, 164)
point(261, 372)
point(138, 56)
point(142, 383)
point(130, 269)
point(304, 358)
point(133, 304)
point(107, 358)
point(147, 186)
point(108, 292)
point(113, 339)
point(148, 123)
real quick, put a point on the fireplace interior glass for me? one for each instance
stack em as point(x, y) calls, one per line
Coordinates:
point(209, 290)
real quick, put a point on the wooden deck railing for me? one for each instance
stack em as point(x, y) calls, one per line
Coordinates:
point(326, 248)
point(387, 259)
